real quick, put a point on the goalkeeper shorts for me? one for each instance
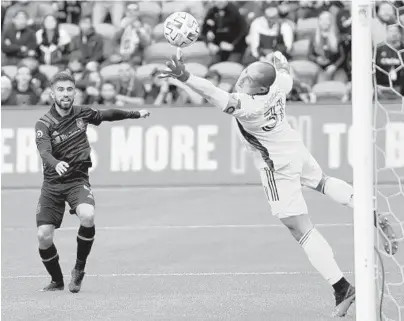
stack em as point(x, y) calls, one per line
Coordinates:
point(283, 187)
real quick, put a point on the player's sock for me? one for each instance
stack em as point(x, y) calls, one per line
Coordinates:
point(50, 259)
point(321, 255)
point(338, 190)
point(341, 286)
point(85, 240)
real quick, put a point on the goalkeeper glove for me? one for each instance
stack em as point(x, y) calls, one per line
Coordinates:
point(176, 69)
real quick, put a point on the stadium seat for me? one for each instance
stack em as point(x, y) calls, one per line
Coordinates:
point(230, 71)
point(159, 53)
point(306, 28)
point(71, 29)
point(329, 90)
point(48, 70)
point(306, 71)
point(10, 71)
point(197, 69)
point(150, 12)
point(158, 33)
point(110, 72)
point(198, 53)
point(300, 49)
point(106, 30)
point(144, 72)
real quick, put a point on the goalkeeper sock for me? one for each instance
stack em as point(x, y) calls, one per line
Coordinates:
point(321, 256)
point(85, 240)
point(339, 190)
point(50, 259)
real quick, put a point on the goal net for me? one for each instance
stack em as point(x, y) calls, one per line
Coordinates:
point(388, 135)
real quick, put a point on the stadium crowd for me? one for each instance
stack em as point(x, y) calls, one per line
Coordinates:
point(115, 49)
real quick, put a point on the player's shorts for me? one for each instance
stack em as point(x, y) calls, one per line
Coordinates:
point(52, 201)
point(283, 187)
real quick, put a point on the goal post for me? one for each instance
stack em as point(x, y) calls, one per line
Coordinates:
point(362, 117)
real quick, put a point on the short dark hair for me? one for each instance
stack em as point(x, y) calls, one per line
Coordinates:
point(62, 76)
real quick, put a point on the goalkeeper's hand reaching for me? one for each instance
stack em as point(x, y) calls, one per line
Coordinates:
point(176, 68)
point(279, 61)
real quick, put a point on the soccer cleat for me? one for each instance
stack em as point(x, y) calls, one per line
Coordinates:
point(54, 286)
point(75, 283)
point(387, 233)
point(343, 301)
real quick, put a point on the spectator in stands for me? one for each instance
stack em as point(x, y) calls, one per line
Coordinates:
point(388, 60)
point(344, 23)
point(37, 10)
point(89, 43)
point(312, 9)
point(8, 96)
point(116, 10)
point(79, 97)
point(269, 33)
point(133, 36)
point(131, 90)
point(18, 40)
point(76, 66)
point(326, 49)
point(109, 93)
point(53, 43)
point(93, 88)
point(289, 10)
point(67, 11)
point(159, 91)
point(45, 98)
point(224, 30)
point(249, 10)
point(195, 8)
point(385, 15)
point(4, 7)
point(39, 80)
point(25, 93)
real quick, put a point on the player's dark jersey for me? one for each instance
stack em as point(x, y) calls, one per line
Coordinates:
point(65, 139)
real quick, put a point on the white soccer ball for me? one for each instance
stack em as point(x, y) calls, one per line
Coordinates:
point(181, 29)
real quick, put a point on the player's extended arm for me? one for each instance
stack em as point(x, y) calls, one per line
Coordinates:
point(205, 88)
point(284, 79)
point(118, 114)
point(43, 143)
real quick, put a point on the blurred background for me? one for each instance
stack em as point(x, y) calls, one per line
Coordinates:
point(114, 48)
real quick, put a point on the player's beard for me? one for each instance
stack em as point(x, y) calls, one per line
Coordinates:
point(64, 103)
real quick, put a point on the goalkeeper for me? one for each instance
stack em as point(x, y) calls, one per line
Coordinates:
point(259, 110)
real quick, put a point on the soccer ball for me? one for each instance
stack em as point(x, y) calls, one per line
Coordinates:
point(181, 29)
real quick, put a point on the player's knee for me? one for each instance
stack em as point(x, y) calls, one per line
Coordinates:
point(86, 214)
point(296, 232)
point(45, 236)
point(298, 225)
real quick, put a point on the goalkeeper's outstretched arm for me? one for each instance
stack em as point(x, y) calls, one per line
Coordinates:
point(205, 88)
point(216, 96)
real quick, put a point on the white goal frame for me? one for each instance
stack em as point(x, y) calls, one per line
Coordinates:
point(362, 113)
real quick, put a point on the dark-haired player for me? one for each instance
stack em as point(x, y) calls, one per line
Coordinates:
point(65, 151)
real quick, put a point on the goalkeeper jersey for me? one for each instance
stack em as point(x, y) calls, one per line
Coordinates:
point(263, 127)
